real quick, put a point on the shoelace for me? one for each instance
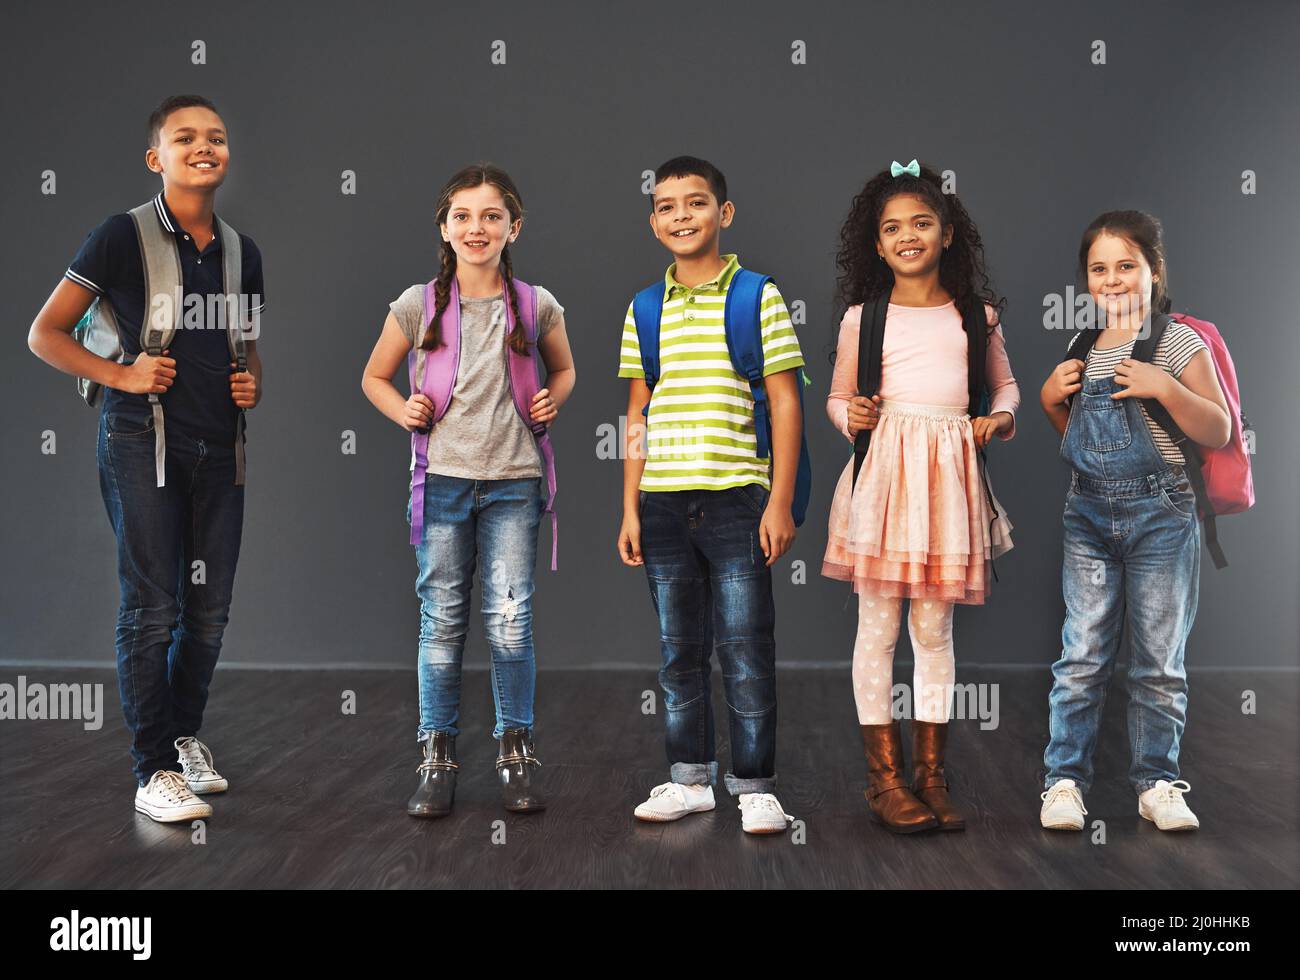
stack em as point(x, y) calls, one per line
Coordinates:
point(172, 787)
point(1172, 792)
point(766, 801)
point(1052, 795)
point(195, 761)
point(669, 789)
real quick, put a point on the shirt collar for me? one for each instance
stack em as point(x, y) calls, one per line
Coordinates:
point(718, 283)
point(168, 220)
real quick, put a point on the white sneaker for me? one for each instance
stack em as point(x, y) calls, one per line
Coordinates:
point(196, 761)
point(760, 813)
point(672, 801)
point(1163, 805)
point(1062, 807)
point(167, 799)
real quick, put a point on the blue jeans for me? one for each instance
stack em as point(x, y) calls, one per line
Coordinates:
point(173, 613)
point(463, 520)
point(1132, 553)
point(711, 586)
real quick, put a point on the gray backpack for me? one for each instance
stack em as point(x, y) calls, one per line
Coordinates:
point(98, 330)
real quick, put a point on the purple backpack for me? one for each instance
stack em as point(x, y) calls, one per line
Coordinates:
point(433, 374)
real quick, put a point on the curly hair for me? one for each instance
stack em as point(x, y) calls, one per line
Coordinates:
point(467, 178)
point(864, 275)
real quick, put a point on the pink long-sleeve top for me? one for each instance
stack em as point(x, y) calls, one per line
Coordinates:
point(924, 361)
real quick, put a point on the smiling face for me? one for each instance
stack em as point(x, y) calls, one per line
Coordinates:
point(1119, 276)
point(478, 225)
point(686, 217)
point(909, 237)
point(192, 150)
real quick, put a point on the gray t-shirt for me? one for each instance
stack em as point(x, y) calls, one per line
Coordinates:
point(481, 437)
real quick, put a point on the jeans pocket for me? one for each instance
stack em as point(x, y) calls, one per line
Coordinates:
point(124, 427)
point(755, 497)
point(1180, 500)
point(1105, 424)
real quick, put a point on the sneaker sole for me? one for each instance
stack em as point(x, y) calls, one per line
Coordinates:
point(667, 818)
point(175, 814)
point(764, 830)
point(1060, 826)
point(216, 786)
point(1172, 829)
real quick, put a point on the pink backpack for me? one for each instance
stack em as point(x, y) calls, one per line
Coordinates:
point(1222, 481)
point(433, 373)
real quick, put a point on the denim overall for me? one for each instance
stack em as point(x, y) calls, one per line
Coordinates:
point(1132, 553)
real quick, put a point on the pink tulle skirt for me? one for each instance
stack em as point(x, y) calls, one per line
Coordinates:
point(919, 523)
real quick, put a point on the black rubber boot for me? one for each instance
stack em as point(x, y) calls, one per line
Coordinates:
point(433, 797)
point(519, 772)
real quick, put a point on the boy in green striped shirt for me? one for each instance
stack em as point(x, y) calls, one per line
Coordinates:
point(702, 512)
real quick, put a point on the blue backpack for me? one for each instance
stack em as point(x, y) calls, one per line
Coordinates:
point(745, 345)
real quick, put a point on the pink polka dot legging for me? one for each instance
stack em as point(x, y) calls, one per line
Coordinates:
point(929, 623)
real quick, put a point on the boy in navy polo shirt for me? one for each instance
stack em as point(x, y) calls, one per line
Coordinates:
point(173, 610)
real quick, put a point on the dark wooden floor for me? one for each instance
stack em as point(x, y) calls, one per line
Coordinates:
point(317, 798)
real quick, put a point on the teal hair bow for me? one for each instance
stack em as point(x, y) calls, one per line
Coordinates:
point(896, 168)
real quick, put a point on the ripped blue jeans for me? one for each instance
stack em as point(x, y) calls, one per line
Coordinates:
point(465, 520)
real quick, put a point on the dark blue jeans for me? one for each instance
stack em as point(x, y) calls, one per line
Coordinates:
point(711, 587)
point(173, 612)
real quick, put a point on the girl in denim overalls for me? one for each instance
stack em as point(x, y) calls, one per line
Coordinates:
point(1132, 549)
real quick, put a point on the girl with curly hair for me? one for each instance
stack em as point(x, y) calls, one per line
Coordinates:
point(919, 521)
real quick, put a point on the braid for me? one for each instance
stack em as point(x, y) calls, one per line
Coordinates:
point(518, 339)
point(441, 297)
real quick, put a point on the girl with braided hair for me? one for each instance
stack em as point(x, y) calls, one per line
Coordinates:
point(482, 494)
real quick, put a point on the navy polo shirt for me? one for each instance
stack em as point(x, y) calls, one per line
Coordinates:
point(109, 264)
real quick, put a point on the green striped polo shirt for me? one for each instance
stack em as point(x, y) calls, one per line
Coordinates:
point(700, 434)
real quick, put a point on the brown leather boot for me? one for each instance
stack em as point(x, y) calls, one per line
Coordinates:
point(928, 780)
point(891, 802)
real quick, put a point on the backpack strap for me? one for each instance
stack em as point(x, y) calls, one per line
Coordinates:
point(647, 310)
point(1080, 345)
point(743, 324)
point(1144, 349)
point(162, 284)
point(871, 344)
point(432, 374)
point(744, 332)
point(232, 270)
point(524, 375)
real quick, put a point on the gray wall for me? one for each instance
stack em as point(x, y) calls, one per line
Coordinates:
point(591, 96)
